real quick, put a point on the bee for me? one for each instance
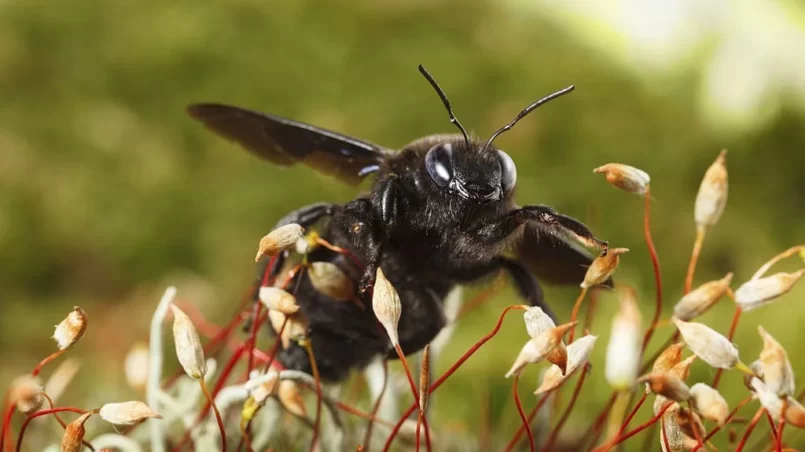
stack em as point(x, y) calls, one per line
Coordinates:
point(440, 213)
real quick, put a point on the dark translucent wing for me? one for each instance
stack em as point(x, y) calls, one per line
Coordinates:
point(554, 259)
point(286, 142)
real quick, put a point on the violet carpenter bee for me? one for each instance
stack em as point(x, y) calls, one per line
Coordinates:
point(441, 212)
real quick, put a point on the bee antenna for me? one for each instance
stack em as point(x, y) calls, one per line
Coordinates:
point(446, 103)
point(528, 110)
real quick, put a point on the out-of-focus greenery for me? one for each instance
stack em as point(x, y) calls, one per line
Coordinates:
point(109, 192)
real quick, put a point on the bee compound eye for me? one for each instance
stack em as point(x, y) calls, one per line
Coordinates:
point(439, 164)
point(508, 175)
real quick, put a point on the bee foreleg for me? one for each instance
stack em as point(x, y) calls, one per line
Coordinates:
point(544, 218)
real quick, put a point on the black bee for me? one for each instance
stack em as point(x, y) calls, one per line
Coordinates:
point(441, 212)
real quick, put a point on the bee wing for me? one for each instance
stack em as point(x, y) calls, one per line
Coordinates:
point(555, 259)
point(286, 142)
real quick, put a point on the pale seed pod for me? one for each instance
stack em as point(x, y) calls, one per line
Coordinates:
point(329, 280)
point(762, 291)
point(674, 436)
point(666, 385)
point(25, 393)
point(262, 392)
point(699, 300)
point(280, 239)
point(556, 350)
point(603, 267)
point(71, 329)
point(770, 401)
point(424, 379)
point(712, 196)
point(558, 356)
point(659, 402)
point(713, 348)
point(127, 413)
point(74, 434)
point(709, 403)
point(536, 350)
point(577, 355)
point(136, 366)
point(537, 321)
point(681, 369)
point(668, 358)
point(278, 300)
point(531, 353)
point(297, 327)
point(625, 345)
point(386, 305)
point(775, 366)
point(625, 177)
point(188, 345)
point(277, 319)
point(686, 421)
point(795, 413)
point(290, 397)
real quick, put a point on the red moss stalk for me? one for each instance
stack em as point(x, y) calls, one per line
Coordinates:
point(275, 348)
point(637, 430)
point(210, 400)
point(6, 425)
point(451, 371)
point(575, 313)
point(481, 298)
point(361, 414)
point(62, 423)
point(349, 254)
point(47, 360)
point(252, 343)
point(598, 425)
point(779, 443)
point(749, 430)
point(317, 422)
point(694, 258)
point(626, 422)
point(526, 424)
point(227, 370)
point(414, 391)
point(588, 319)
point(664, 436)
point(693, 425)
point(726, 422)
point(424, 377)
point(655, 262)
point(43, 413)
point(367, 439)
point(733, 328)
point(519, 435)
point(555, 433)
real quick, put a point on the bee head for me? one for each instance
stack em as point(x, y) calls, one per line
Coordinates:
point(471, 172)
point(474, 170)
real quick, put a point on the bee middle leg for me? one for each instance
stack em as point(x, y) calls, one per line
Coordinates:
point(524, 281)
point(355, 225)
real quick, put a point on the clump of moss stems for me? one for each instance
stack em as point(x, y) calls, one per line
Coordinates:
point(253, 402)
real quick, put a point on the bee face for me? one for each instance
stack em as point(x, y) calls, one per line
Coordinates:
point(474, 174)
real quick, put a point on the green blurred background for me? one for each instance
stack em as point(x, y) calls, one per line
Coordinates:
point(109, 192)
